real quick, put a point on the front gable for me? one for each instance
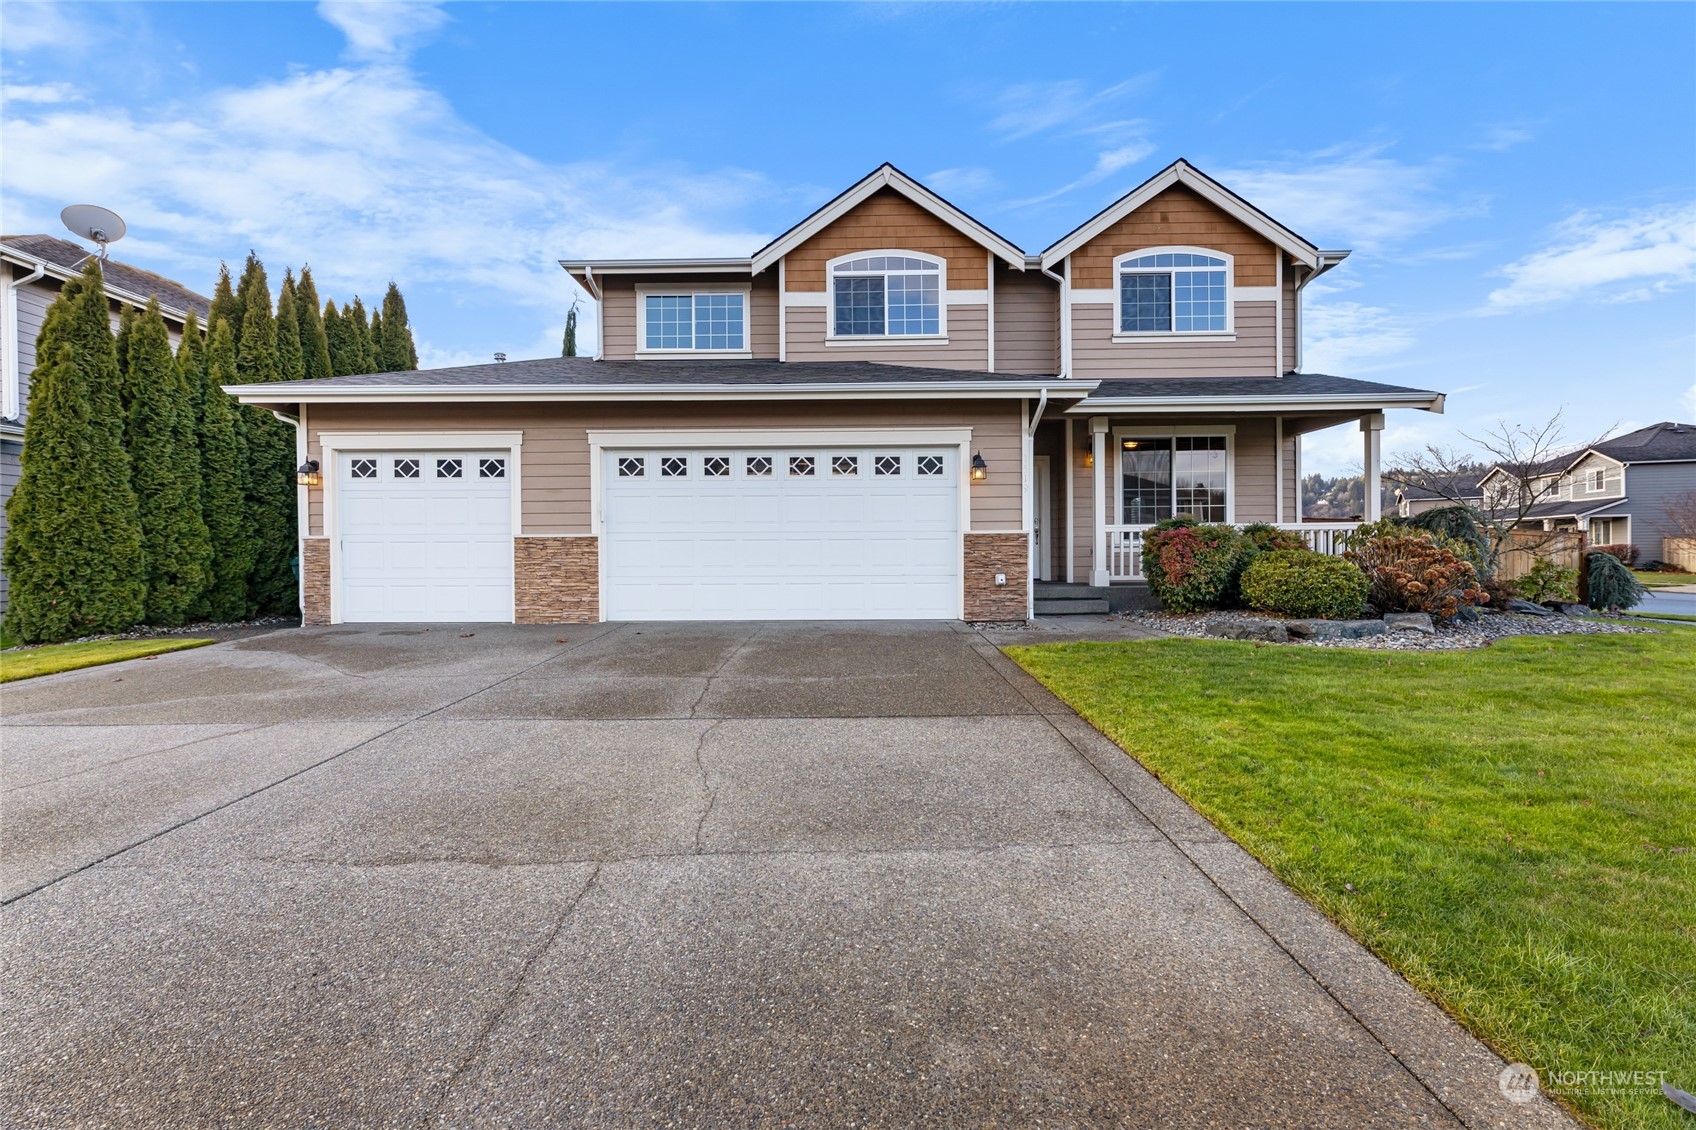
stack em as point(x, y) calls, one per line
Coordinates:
point(887, 220)
point(1176, 217)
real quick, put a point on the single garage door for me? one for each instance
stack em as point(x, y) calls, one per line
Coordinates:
point(425, 536)
point(782, 533)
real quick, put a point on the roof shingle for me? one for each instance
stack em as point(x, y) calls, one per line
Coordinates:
point(122, 276)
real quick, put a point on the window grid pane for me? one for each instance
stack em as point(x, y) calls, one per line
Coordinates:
point(859, 306)
point(1145, 303)
point(669, 319)
point(1198, 300)
point(914, 304)
point(1198, 477)
point(718, 321)
point(1146, 486)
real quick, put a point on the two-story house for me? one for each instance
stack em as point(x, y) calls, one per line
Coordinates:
point(889, 411)
point(32, 269)
point(1617, 491)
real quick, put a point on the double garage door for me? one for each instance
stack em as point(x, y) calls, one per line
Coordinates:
point(712, 534)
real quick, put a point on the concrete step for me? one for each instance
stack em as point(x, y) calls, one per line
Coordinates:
point(1060, 590)
point(1070, 606)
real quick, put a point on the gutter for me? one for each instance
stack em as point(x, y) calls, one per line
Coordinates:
point(65, 274)
point(1428, 401)
point(296, 394)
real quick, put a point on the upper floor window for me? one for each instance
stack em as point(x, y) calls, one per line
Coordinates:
point(886, 295)
point(1172, 290)
point(1598, 479)
point(707, 320)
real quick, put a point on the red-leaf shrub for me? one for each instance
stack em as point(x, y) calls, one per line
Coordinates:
point(1193, 568)
point(1415, 573)
point(1625, 551)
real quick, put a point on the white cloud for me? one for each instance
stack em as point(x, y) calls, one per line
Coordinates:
point(1348, 338)
point(369, 176)
point(1352, 197)
point(31, 27)
point(44, 92)
point(969, 181)
point(1644, 254)
point(1126, 152)
point(1498, 139)
point(382, 29)
point(1029, 108)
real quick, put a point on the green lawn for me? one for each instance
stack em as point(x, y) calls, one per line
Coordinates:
point(1517, 822)
point(1661, 580)
point(53, 658)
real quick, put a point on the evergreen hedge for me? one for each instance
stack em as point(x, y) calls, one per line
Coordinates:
point(1300, 582)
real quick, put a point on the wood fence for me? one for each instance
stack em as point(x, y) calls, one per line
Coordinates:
point(1680, 552)
point(1523, 547)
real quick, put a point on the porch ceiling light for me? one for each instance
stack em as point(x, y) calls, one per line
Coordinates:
point(306, 474)
point(980, 469)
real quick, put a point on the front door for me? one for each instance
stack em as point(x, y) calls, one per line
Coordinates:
point(1041, 507)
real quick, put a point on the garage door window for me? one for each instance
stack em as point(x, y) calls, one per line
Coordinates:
point(406, 468)
point(491, 468)
point(632, 467)
point(449, 469)
point(800, 465)
point(363, 469)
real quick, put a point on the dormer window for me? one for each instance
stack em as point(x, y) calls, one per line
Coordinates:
point(684, 321)
point(1173, 290)
point(886, 294)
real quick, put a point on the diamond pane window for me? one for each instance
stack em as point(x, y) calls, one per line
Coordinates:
point(1167, 293)
point(363, 468)
point(491, 468)
point(800, 465)
point(715, 466)
point(759, 465)
point(450, 469)
point(845, 464)
point(406, 468)
point(887, 465)
point(887, 296)
point(674, 466)
point(632, 466)
point(929, 464)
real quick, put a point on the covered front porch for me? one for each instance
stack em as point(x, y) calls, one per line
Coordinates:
point(1110, 467)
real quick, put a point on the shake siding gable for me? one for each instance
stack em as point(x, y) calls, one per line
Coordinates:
point(1176, 217)
point(886, 219)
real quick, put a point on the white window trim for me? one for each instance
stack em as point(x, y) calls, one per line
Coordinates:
point(330, 443)
point(831, 337)
point(959, 439)
point(692, 289)
point(1229, 333)
point(1116, 499)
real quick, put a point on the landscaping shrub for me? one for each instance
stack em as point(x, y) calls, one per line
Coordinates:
point(1625, 551)
point(1193, 568)
point(1457, 527)
point(1498, 590)
point(1611, 584)
point(1266, 538)
point(1547, 581)
point(1412, 572)
point(1300, 582)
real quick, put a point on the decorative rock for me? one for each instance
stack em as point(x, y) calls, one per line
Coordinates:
point(1267, 631)
point(1528, 608)
point(1335, 629)
point(1410, 622)
point(1571, 607)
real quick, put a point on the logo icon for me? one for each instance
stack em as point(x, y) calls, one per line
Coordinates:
point(1518, 1082)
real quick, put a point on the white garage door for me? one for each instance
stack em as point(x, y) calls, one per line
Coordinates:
point(782, 533)
point(425, 536)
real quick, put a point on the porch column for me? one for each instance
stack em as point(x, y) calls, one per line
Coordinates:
point(1372, 428)
point(1098, 438)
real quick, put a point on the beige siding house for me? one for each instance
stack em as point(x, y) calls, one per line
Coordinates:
point(890, 411)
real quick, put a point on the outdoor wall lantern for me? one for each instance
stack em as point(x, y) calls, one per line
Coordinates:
point(306, 474)
point(980, 469)
point(1089, 459)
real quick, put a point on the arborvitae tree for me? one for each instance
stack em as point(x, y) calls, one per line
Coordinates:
point(396, 351)
point(314, 344)
point(191, 360)
point(223, 475)
point(224, 304)
point(126, 327)
point(355, 314)
point(376, 342)
point(344, 345)
point(569, 349)
point(165, 472)
point(270, 456)
point(291, 363)
point(73, 551)
point(252, 278)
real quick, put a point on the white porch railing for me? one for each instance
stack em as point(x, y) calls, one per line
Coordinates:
point(1124, 544)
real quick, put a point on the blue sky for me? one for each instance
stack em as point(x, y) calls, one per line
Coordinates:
point(1518, 181)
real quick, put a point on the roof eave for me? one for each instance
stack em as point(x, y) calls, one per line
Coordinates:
point(66, 274)
point(645, 266)
point(273, 394)
point(1317, 402)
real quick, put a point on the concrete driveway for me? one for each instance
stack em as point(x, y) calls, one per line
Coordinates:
point(641, 875)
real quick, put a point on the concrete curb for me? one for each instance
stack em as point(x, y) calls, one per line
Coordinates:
point(1458, 1069)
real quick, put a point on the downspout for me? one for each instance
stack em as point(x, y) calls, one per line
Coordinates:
point(302, 502)
point(13, 386)
point(1065, 319)
point(1036, 417)
point(600, 325)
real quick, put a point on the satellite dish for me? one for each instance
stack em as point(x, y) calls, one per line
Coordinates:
point(91, 221)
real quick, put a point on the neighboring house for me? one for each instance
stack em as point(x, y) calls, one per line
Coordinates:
point(1416, 498)
point(1616, 491)
point(889, 411)
point(32, 269)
